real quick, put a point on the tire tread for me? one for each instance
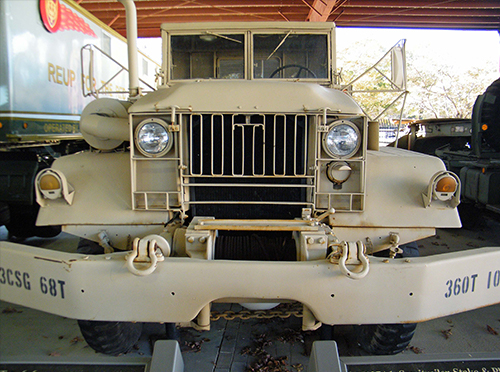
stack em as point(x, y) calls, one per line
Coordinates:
point(113, 338)
point(385, 339)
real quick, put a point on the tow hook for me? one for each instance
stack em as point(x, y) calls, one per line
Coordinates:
point(394, 249)
point(146, 253)
point(351, 253)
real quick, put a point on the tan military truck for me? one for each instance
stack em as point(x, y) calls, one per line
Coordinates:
point(246, 178)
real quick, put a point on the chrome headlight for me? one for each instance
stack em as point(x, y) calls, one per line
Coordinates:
point(153, 138)
point(342, 140)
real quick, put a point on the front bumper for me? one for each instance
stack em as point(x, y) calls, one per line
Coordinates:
point(394, 291)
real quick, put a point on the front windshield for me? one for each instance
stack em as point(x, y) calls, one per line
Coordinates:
point(211, 55)
point(290, 56)
point(208, 56)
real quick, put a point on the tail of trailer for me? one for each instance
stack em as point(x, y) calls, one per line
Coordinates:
point(55, 58)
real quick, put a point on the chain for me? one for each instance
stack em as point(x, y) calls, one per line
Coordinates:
point(283, 313)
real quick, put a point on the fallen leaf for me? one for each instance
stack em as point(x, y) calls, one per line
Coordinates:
point(11, 310)
point(491, 330)
point(415, 349)
point(447, 333)
point(55, 354)
point(291, 336)
point(75, 340)
point(194, 346)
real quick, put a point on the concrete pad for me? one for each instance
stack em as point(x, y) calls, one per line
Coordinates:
point(27, 334)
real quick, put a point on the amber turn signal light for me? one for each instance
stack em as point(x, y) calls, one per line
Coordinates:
point(446, 184)
point(49, 182)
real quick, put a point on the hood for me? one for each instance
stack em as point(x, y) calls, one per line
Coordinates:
point(246, 96)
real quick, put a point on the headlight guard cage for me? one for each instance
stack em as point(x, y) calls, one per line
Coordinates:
point(335, 125)
point(162, 124)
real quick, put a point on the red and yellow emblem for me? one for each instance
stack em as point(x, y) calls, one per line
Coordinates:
point(50, 10)
point(57, 17)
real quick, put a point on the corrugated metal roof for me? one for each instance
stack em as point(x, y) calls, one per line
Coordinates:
point(444, 14)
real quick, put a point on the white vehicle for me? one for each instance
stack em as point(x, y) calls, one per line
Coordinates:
point(248, 179)
point(50, 52)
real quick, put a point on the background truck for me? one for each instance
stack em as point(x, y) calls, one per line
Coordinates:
point(45, 84)
point(468, 147)
point(247, 177)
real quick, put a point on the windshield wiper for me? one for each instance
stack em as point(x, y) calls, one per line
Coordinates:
point(222, 37)
point(280, 44)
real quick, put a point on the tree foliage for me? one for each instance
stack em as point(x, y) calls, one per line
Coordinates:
point(436, 90)
point(372, 90)
point(440, 91)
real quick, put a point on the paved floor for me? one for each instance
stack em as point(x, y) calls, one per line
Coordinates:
point(242, 345)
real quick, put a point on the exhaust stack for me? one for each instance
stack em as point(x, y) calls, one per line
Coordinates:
point(131, 18)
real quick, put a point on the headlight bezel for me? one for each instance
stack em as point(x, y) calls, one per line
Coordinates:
point(335, 125)
point(163, 124)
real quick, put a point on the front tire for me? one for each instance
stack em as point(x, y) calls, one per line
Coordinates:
point(385, 339)
point(113, 338)
point(388, 339)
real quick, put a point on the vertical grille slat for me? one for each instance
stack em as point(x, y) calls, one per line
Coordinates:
point(259, 161)
point(217, 135)
point(248, 145)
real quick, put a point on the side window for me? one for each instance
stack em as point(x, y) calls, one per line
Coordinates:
point(231, 68)
point(202, 65)
point(144, 67)
point(106, 44)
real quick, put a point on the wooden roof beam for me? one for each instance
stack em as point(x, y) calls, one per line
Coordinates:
point(320, 10)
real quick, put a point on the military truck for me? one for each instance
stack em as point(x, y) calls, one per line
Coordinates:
point(468, 147)
point(247, 178)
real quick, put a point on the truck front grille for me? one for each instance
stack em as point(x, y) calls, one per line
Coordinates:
point(259, 161)
point(248, 145)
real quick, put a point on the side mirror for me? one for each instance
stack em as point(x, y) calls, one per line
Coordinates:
point(393, 60)
point(398, 65)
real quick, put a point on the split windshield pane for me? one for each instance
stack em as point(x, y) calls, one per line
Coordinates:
point(289, 56)
point(208, 56)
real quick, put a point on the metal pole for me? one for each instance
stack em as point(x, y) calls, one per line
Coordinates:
point(131, 15)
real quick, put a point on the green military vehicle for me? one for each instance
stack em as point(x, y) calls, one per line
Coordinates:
point(468, 147)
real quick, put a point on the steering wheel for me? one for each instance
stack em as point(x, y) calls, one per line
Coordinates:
point(300, 67)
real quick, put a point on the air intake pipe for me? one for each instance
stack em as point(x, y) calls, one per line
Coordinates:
point(131, 18)
point(104, 122)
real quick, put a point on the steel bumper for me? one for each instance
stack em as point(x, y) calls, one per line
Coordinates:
point(101, 287)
